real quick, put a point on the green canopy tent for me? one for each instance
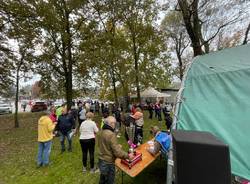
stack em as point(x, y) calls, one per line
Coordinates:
point(215, 97)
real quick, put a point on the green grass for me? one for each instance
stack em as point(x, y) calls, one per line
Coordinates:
point(18, 150)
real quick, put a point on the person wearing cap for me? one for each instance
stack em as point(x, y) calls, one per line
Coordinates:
point(46, 127)
point(162, 141)
point(109, 150)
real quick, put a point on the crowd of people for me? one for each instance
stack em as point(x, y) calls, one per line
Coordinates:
point(158, 108)
point(61, 123)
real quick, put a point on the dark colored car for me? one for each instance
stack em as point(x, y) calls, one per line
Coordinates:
point(39, 106)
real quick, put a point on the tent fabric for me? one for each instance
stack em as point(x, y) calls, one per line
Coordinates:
point(152, 93)
point(216, 98)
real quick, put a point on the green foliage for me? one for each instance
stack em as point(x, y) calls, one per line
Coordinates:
point(131, 47)
point(177, 40)
point(70, 43)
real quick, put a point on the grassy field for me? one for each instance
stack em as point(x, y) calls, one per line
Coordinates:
point(18, 150)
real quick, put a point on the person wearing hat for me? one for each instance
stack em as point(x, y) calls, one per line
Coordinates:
point(162, 141)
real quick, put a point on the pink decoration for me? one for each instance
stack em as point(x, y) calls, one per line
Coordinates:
point(131, 144)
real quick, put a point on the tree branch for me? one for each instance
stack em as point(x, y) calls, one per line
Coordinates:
point(219, 29)
point(246, 35)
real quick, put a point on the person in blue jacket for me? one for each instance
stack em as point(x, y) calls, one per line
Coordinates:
point(65, 126)
point(162, 141)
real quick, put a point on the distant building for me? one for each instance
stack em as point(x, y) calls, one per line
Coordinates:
point(172, 91)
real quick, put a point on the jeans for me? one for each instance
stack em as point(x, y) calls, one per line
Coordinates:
point(159, 115)
point(88, 145)
point(44, 149)
point(107, 172)
point(62, 140)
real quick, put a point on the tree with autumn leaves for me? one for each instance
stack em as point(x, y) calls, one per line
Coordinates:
point(117, 45)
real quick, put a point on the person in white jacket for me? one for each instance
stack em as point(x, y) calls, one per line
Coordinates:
point(82, 116)
point(87, 130)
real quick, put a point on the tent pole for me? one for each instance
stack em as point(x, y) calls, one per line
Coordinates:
point(170, 162)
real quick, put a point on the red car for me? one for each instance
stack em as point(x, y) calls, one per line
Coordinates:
point(39, 106)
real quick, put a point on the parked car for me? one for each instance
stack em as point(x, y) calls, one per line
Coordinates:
point(5, 108)
point(58, 104)
point(39, 106)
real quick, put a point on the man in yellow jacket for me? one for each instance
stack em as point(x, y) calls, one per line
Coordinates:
point(45, 136)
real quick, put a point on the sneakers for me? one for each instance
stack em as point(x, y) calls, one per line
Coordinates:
point(94, 170)
point(84, 169)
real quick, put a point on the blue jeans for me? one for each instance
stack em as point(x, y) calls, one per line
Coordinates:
point(44, 149)
point(107, 172)
point(62, 140)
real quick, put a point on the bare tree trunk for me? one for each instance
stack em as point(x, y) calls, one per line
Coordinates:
point(112, 64)
point(180, 65)
point(69, 86)
point(192, 24)
point(246, 35)
point(114, 86)
point(16, 99)
point(136, 71)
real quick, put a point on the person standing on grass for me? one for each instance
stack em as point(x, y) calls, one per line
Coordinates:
point(65, 126)
point(150, 110)
point(117, 115)
point(139, 122)
point(158, 111)
point(109, 150)
point(87, 130)
point(82, 115)
point(105, 114)
point(46, 127)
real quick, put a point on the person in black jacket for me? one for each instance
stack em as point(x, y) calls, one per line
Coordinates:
point(167, 116)
point(150, 110)
point(65, 126)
